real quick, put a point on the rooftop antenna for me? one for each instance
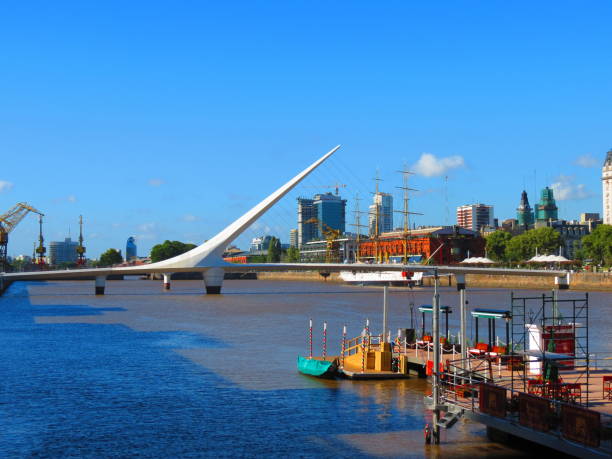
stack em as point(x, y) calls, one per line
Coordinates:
point(447, 214)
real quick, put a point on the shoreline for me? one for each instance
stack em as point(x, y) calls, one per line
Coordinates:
point(579, 281)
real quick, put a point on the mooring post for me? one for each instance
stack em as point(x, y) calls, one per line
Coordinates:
point(324, 340)
point(343, 344)
point(167, 277)
point(310, 340)
point(460, 278)
point(385, 296)
point(436, 358)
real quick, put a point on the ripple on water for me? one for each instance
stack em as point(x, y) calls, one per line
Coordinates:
point(211, 377)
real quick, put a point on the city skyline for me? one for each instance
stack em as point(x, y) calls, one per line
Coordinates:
point(525, 108)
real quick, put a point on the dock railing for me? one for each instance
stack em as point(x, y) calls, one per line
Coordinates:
point(551, 409)
point(370, 342)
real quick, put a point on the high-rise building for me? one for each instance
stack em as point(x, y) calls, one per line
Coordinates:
point(293, 238)
point(323, 212)
point(382, 211)
point(524, 213)
point(307, 226)
point(130, 249)
point(63, 251)
point(606, 178)
point(546, 209)
point(475, 216)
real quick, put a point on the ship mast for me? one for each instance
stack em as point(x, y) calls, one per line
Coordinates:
point(406, 211)
point(357, 224)
point(377, 206)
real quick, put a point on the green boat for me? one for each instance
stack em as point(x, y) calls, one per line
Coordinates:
point(318, 368)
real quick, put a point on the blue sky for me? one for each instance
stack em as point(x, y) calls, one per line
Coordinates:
point(167, 120)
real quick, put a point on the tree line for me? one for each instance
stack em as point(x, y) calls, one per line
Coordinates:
point(503, 247)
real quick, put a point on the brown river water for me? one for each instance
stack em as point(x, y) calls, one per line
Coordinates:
point(142, 371)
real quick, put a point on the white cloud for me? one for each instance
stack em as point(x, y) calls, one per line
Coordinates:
point(586, 161)
point(190, 218)
point(5, 186)
point(431, 166)
point(143, 237)
point(71, 198)
point(565, 189)
point(146, 227)
point(156, 182)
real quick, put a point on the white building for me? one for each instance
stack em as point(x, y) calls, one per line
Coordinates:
point(381, 210)
point(475, 216)
point(606, 178)
point(293, 238)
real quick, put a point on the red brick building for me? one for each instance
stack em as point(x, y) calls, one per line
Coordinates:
point(448, 244)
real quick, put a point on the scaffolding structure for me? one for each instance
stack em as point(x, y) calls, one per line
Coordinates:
point(564, 342)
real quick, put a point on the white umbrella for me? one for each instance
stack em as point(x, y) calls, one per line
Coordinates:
point(477, 260)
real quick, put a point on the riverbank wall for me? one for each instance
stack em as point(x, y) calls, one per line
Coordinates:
point(579, 281)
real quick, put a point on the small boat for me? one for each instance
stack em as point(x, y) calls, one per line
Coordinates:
point(316, 367)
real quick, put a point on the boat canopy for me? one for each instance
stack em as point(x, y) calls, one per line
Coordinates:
point(483, 313)
point(429, 308)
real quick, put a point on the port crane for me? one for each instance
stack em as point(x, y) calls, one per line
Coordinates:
point(332, 249)
point(8, 222)
point(80, 248)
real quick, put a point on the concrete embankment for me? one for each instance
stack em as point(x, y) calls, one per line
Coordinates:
point(579, 281)
point(307, 276)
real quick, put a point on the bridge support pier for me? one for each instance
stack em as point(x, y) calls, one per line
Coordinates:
point(167, 281)
point(100, 284)
point(213, 280)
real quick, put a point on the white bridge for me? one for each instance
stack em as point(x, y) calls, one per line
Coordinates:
point(207, 257)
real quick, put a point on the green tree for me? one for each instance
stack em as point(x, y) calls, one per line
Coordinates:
point(523, 246)
point(293, 255)
point(547, 240)
point(274, 251)
point(169, 249)
point(496, 245)
point(597, 246)
point(110, 257)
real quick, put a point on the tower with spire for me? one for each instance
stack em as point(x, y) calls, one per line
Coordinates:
point(524, 213)
point(606, 178)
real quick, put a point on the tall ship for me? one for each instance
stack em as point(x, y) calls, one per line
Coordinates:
point(380, 221)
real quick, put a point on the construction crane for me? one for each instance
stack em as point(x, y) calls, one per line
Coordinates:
point(336, 186)
point(80, 248)
point(8, 221)
point(332, 248)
